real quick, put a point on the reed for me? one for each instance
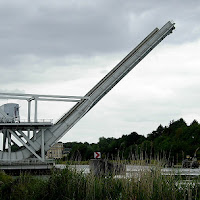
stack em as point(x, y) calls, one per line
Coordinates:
point(70, 184)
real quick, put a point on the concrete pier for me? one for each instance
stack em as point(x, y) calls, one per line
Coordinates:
point(102, 167)
point(31, 166)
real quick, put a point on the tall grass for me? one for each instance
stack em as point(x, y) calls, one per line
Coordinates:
point(70, 184)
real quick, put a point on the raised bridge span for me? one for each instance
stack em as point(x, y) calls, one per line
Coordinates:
point(44, 139)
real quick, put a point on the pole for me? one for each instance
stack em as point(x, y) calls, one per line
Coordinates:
point(29, 115)
point(36, 105)
point(35, 117)
point(42, 146)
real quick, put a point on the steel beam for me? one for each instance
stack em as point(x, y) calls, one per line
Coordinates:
point(28, 147)
point(9, 144)
point(42, 145)
point(4, 139)
point(32, 144)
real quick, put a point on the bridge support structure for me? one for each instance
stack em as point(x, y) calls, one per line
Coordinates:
point(44, 137)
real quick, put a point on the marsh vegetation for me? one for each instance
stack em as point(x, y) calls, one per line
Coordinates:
point(70, 184)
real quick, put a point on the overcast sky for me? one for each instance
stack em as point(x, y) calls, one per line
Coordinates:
point(66, 47)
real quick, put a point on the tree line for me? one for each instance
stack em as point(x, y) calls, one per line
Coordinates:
point(172, 142)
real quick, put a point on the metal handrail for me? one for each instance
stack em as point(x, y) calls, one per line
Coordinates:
point(38, 120)
point(5, 120)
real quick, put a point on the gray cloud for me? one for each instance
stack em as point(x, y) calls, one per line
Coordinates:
point(52, 31)
point(96, 27)
point(47, 45)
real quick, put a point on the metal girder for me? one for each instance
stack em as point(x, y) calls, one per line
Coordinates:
point(25, 145)
point(9, 144)
point(31, 97)
point(4, 139)
point(32, 144)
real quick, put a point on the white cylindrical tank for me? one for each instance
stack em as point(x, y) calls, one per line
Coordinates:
point(11, 110)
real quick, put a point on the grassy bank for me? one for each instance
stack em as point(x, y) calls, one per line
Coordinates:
point(68, 184)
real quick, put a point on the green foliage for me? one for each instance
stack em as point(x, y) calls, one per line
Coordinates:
point(176, 140)
point(22, 187)
point(69, 184)
point(170, 143)
point(5, 185)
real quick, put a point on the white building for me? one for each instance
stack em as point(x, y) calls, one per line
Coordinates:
point(56, 151)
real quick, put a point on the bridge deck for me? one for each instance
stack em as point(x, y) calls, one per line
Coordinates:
point(25, 125)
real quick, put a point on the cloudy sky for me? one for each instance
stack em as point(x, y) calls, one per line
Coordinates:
point(66, 47)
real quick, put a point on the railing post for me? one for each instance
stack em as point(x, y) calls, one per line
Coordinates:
point(36, 105)
point(35, 117)
point(29, 115)
point(42, 146)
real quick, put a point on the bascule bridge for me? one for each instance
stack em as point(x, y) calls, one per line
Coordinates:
point(37, 136)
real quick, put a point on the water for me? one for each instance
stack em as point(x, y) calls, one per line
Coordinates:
point(132, 170)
